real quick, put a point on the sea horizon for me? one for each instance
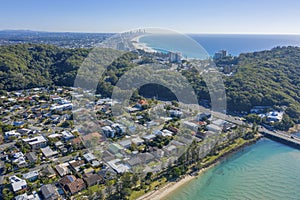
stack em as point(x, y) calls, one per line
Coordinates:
point(234, 44)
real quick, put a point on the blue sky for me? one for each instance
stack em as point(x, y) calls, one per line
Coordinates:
point(187, 16)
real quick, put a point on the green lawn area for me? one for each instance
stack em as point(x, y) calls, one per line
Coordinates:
point(93, 188)
point(238, 142)
point(136, 194)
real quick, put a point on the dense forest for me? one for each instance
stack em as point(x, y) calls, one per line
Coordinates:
point(26, 66)
point(266, 78)
point(261, 78)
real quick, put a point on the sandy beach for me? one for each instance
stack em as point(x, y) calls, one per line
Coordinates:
point(167, 189)
point(164, 191)
point(171, 187)
point(138, 45)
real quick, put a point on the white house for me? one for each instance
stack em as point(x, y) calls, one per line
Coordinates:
point(12, 133)
point(274, 116)
point(36, 142)
point(17, 183)
point(213, 128)
point(191, 125)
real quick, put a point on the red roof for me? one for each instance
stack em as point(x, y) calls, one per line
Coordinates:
point(143, 102)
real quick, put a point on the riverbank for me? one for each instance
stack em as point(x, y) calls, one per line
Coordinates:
point(209, 162)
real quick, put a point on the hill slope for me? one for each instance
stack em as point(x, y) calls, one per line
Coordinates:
point(262, 78)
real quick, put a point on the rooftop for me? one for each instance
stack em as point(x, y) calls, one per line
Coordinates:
point(35, 140)
point(48, 152)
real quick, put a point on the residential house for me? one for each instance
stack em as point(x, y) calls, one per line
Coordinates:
point(118, 166)
point(149, 137)
point(31, 156)
point(31, 176)
point(48, 152)
point(125, 143)
point(76, 164)
point(36, 142)
point(24, 131)
point(158, 153)
point(19, 159)
point(274, 116)
point(71, 184)
point(163, 133)
point(62, 169)
point(203, 116)
point(173, 129)
point(33, 196)
point(134, 161)
point(89, 157)
point(18, 123)
point(92, 179)
point(115, 148)
point(219, 122)
point(12, 133)
point(170, 149)
point(146, 157)
point(191, 125)
point(175, 113)
point(138, 141)
point(49, 192)
point(67, 135)
point(17, 183)
point(213, 128)
point(77, 142)
point(108, 131)
point(120, 129)
point(49, 172)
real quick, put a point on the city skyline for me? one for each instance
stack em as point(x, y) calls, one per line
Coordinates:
point(218, 17)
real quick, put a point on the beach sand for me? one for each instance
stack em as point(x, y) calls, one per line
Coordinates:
point(166, 190)
point(171, 187)
point(138, 45)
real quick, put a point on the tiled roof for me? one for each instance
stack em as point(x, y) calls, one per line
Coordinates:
point(91, 179)
point(72, 184)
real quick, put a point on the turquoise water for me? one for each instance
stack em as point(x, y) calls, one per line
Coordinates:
point(265, 170)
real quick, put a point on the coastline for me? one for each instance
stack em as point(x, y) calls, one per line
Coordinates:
point(142, 46)
point(170, 187)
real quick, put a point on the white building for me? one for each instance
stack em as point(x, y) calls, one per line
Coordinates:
point(17, 183)
point(191, 125)
point(33, 196)
point(274, 116)
point(12, 133)
point(213, 128)
point(36, 142)
point(67, 135)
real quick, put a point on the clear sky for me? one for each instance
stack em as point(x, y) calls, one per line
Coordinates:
point(187, 16)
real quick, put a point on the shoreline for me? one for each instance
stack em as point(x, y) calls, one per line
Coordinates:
point(142, 46)
point(170, 187)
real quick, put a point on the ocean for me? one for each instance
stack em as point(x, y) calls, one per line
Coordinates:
point(233, 43)
point(263, 171)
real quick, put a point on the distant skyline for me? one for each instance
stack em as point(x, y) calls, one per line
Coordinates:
point(186, 16)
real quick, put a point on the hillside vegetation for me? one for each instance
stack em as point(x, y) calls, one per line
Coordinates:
point(261, 78)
